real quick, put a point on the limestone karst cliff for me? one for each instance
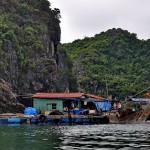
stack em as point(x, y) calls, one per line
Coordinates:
point(29, 36)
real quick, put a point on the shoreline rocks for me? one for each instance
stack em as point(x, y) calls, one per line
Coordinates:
point(8, 101)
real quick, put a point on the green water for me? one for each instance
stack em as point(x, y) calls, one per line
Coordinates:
point(29, 138)
point(78, 137)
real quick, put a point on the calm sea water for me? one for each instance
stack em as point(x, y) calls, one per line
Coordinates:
point(78, 137)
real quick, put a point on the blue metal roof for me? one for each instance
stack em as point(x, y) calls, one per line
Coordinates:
point(141, 99)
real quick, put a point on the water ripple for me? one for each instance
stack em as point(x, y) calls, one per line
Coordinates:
point(79, 137)
point(106, 137)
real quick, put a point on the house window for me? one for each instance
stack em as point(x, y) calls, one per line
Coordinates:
point(54, 106)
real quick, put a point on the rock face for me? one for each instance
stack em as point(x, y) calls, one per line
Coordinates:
point(29, 36)
point(8, 102)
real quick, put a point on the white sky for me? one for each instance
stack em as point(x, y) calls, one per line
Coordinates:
point(85, 18)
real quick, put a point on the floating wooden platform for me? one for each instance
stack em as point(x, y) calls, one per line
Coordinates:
point(52, 119)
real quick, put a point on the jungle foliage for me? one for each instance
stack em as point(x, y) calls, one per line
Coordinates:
point(27, 29)
point(115, 60)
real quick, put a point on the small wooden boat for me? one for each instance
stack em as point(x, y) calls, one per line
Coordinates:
point(136, 117)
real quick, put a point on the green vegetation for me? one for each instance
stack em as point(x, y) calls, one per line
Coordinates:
point(25, 33)
point(29, 35)
point(27, 29)
point(115, 59)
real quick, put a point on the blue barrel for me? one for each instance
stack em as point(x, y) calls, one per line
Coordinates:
point(16, 120)
point(64, 120)
point(3, 121)
point(79, 121)
point(73, 120)
point(33, 120)
point(86, 120)
point(14, 125)
point(76, 112)
point(53, 120)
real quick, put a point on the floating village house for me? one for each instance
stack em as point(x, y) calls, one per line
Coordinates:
point(55, 101)
point(65, 101)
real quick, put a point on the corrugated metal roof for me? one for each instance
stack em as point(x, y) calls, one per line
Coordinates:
point(65, 95)
point(58, 95)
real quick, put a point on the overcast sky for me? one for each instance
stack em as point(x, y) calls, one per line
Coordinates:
point(85, 18)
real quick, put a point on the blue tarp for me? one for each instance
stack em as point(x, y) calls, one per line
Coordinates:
point(78, 112)
point(30, 111)
point(104, 105)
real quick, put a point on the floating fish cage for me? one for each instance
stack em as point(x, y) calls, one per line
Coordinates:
point(53, 120)
point(72, 120)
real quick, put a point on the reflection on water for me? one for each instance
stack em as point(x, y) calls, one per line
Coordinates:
point(82, 137)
